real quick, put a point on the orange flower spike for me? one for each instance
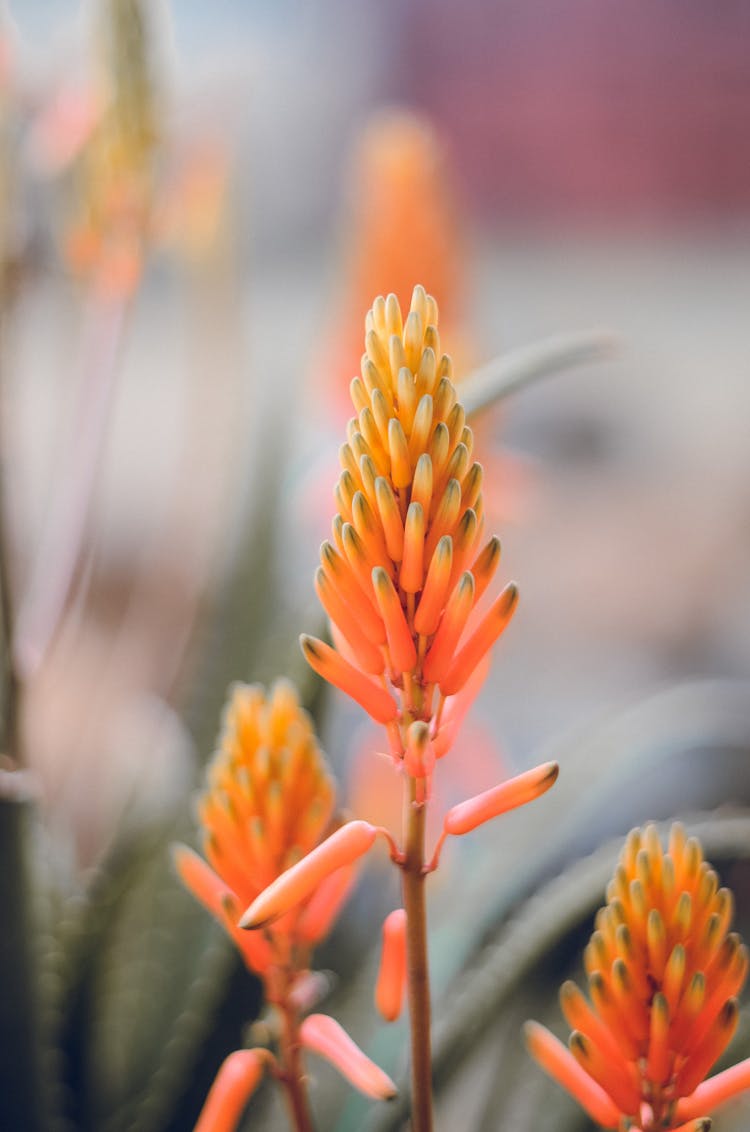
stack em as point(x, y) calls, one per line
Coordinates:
point(670, 1018)
point(389, 988)
point(238, 1077)
point(524, 788)
point(333, 668)
point(324, 1036)
point(294, 885)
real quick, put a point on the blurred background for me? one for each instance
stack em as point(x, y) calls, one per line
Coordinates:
point(198, 205)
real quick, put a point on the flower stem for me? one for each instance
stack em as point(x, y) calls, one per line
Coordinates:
point(418, 979)
point(292, 1076)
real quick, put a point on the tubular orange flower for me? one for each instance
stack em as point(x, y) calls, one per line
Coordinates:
point(664, 972)
point(389, 989)
point(403, 575)
point(235, 1082)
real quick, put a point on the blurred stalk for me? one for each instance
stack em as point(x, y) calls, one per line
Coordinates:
point(20, 1083)
point(58, 552)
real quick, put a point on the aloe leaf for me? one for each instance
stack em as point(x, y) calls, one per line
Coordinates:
point(20, 1063)
point(510, 372)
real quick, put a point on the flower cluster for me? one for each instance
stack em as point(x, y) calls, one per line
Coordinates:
point(268, 804)
point(269, 801)
point(406, 568)
point(663, 972)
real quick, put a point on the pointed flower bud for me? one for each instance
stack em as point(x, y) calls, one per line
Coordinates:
point(664, 972)
point(235, 1082)
point(324, 1036)
point(389, 989)
point(400, 587)
point(507, 796)
point(292, 887)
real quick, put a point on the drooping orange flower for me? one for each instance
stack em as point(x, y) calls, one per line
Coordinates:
point(402, 578)
point(269, 801)
point(663, 973)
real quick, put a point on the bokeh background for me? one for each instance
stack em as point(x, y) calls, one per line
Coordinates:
point(542, 169)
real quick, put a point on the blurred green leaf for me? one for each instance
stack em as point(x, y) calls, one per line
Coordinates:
point(508, 373)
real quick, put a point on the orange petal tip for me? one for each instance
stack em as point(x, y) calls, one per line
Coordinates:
point(323, 1035)
point(342, 848)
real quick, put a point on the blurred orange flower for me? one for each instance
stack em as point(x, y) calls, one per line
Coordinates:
point(268, 803)
point(663, 975)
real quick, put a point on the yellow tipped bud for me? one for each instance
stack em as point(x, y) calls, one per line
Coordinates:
point(498, 800)
point(289, 889)
point(324, 1036)
point(411, 577)
point(435, 590)
point(400, 643)
point(480, 642)
point(348, 679)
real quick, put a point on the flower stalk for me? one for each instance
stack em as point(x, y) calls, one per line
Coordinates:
point(417, 965)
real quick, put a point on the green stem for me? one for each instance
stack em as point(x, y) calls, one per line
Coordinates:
point(418, 979)
point(293, 1077)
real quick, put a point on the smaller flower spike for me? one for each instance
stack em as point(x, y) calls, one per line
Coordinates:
point(324, 1036)
point(507, 796)
point(235, 1082)
point(342, 848)
point(389, 989)
point(663, 972)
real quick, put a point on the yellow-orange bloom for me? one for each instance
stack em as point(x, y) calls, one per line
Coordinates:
point(269, 801)
point(663, 975)
point(406, 567)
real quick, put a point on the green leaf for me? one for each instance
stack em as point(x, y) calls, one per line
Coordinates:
point(510, 372)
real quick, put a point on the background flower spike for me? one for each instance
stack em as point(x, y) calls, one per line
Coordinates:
point(324, 1036)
